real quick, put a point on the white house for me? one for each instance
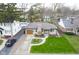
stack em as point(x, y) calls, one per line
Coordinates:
point(16, 27)
point(69, 24)
point(41, 28)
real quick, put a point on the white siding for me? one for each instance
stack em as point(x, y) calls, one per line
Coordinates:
point(15, 27)
point(61, 23)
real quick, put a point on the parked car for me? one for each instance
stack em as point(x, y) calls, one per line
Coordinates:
point(10, 42)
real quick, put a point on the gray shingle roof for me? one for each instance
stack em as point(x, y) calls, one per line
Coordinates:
point(41, 25)
point(67, 23)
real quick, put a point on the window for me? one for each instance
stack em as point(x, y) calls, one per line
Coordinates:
point(78, 30)
point(46, 31)
point(1, 33)
point(51, 30)
point(71, 21)
point(42, 29)
point(36, 29)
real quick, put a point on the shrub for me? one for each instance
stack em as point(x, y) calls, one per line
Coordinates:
point(1, 41)
point(36, 40)
point(69, 33)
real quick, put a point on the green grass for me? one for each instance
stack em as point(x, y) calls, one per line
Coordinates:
point(54, 45)
point(74, 40)
point(1, 41)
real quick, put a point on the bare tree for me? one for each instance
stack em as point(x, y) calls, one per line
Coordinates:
point(23, 9)
point(55, 7)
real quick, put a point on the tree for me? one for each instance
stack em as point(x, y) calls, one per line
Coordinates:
point(24, 13)
point(56, 9)
point(75, 11)
point(9, 13)
point(34, 14)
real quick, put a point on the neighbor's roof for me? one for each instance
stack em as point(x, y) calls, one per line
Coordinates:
point(41, 25)
point(67, 23)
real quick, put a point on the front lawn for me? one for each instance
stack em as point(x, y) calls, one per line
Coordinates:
point(74, 40)
point(54, 45)
point(1, 41)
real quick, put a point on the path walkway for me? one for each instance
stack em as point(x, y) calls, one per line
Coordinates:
point(43, 41)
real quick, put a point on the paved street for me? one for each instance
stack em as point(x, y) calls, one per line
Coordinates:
point(7, 50)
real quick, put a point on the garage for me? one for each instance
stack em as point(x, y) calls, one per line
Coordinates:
point(29, 32)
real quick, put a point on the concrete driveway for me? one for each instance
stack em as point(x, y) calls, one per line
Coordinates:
point(22, 47)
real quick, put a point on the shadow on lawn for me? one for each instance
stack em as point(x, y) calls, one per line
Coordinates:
point(69, 33)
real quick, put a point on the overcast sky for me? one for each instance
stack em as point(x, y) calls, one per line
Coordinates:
point(70, 3)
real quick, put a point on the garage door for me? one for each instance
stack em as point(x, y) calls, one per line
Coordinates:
point(29, 32)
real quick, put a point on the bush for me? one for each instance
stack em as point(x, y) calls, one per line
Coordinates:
point(36, 40)
point(42, 35)
point(1, 41)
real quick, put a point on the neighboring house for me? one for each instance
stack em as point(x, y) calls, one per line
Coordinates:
point(47, 15)
point(16, 27)
point(40, 27)
point(76, 24)
point(69, 24)
point(66, 24)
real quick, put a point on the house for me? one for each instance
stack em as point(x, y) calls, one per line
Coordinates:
point(66, 24)
point(6, 28)
point(40, 28)
point(47, 15)
point(70, 24)
point(76, 24)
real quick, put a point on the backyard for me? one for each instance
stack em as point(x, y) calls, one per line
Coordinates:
point(54, 45)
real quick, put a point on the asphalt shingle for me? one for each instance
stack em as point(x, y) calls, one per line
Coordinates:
point(41, 25)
